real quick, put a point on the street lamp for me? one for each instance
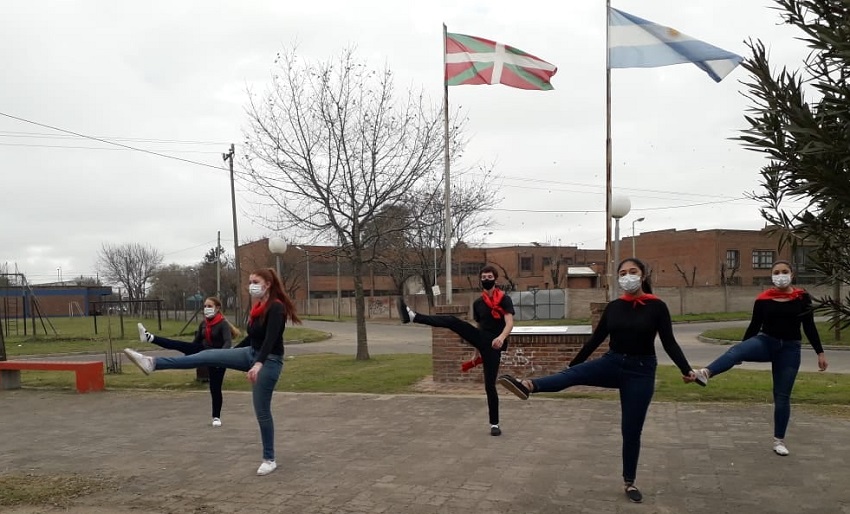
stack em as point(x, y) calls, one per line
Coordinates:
point(307, 255)
point(277, 246)
point(620, 206)
point(634, 252)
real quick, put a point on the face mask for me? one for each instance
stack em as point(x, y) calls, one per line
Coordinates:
point(630, 283)
point(256, 290)
point(209, 312)
point(781, 281)
point(488, 284)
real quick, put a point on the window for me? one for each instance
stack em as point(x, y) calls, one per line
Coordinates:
point(470, 268)
point(733, 259)
point(526, 263)
point(547, 261)
point(763, 259)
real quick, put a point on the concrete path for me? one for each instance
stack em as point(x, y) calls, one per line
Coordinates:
point(353, 454)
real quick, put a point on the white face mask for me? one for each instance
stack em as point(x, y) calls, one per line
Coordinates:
point(256, 290)
point(781, 281)
point(630, 283)
point(209, 312)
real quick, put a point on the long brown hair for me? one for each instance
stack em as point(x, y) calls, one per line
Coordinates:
point(234, 332)
point(276, 292)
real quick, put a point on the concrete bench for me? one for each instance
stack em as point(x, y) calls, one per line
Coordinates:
point(89, 373)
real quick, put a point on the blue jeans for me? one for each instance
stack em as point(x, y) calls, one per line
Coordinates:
point(784, 357)
point(633, 375)
point(240, 359)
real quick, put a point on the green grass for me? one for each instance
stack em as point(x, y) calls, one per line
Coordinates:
point(393, 374)
point(827, 335)
point(76, 335)
point(385, 374)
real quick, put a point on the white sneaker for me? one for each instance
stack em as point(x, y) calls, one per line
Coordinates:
point(144, 335)
point(779, 447)
point(702, 376)
point(216, 422)
point(145, 363)
point(266, 467)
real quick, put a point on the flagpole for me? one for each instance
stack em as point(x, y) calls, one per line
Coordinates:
point(610, 265)
point(447, 177)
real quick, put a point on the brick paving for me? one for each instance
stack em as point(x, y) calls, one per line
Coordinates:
point(421, 453)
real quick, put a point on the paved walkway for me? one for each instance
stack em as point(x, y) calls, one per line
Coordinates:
point(414, 454)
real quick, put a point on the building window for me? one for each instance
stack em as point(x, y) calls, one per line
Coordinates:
point(763, 259)
point(733, 259)
point(547, 261)
point(470, 268)
point(526, 263)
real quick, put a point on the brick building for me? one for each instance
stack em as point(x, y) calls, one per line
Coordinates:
point(676, 258)
point(694, 258)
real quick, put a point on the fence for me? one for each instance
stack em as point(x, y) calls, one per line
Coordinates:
point(565, 303)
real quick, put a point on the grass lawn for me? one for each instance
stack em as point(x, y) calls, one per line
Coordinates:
point(735, 335)
point(77, 335)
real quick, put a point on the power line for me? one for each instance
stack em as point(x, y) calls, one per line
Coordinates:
point(98, 148)
point(151, 152)
point(44, 135)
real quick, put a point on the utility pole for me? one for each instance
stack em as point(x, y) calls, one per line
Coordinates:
point(218, 265)
point(229, 158)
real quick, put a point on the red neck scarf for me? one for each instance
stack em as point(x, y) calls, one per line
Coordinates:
point(493, 302)
point(638, 300)
point(215, 320)
point(258, 310)
point(773, 294)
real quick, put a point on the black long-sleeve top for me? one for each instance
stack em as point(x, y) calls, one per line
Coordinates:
point(782, 320)
point(632, 329)
point(265, 334)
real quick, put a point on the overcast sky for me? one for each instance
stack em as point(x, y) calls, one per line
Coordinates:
point(171, 77)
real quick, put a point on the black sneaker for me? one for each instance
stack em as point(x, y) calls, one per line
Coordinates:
point(402, 311)
point(495, 430)
point(633, 494)
point(515, 386)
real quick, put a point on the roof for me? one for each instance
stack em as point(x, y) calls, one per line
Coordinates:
point(580, 271)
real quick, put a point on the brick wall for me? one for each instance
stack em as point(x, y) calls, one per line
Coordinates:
point(533, 351)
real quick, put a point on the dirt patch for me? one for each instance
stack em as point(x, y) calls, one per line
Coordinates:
point(47, 490)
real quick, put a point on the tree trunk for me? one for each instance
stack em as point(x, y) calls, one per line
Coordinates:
point(360, 307)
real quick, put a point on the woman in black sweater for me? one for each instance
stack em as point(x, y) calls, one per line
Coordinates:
point(260, 353)
point(213, 332)
point(774, 336)
point(632, 322)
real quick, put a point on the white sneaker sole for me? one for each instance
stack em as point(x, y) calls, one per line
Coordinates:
point(135, 360)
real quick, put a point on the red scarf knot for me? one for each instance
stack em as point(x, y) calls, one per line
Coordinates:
point(773, 294)
point(215, 320)
point(258, 310)
point(494, 302)
point(638, 300)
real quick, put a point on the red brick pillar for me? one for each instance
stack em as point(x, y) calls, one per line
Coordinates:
point(448, 350)
point(596, 310)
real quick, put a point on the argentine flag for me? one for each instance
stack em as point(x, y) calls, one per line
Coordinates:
point(637, 43)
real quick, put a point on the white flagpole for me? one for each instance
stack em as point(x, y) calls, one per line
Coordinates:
point(447, 177)
point(609, 263)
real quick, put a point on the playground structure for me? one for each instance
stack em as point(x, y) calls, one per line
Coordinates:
point(22, 304)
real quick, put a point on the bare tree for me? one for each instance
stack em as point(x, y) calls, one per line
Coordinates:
point(689, 282)
point(132, 265)
point(331, 147)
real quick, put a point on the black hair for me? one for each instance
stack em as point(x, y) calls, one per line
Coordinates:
point(489, 269)
point(782, 262)
point(645, 284)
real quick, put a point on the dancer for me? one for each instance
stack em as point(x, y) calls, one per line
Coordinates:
point(494, 314)
point(260, 353)
point(774, 336)
point(632, 322)
point(213, 332)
